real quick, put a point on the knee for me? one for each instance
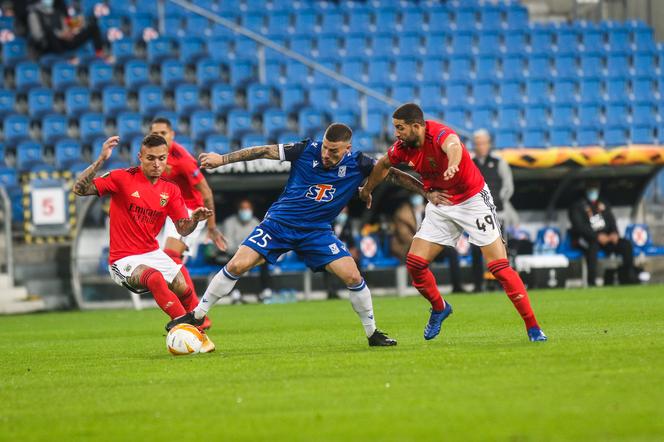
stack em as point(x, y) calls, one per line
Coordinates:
point(238, 266)
point(353, 279)
point(415, 264)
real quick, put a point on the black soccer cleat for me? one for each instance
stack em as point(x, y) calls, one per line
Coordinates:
point(188, 318)
point(380, 339)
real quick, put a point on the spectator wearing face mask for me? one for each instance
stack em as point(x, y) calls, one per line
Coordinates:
point(236, 228)
point(594, 228)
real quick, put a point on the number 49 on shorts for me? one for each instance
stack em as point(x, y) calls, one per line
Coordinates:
point(487, 220)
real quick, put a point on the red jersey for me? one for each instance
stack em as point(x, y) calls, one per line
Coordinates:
point(182, 169)
point(430, 162)
point(138, 210)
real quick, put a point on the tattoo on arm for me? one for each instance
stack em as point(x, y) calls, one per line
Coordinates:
point(208, 200)
point(270, 152)
point(405, 180)
point(84, 185)
point(185, 226)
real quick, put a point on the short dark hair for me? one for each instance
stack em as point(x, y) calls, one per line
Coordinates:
point(153, 140)
point(411, 113)
point(338, 132)
point(162, 120)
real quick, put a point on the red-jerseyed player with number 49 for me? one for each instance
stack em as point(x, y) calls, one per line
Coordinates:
point(140, 202)
point(437, 154)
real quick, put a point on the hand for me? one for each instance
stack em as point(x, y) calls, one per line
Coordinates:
point(217, 238)
point(602, 238)
point(365, 196)
point(437, 198)
point(211, 160)
point(108, 146)
point(614, 238)
point(200, 214)
point(450, 172)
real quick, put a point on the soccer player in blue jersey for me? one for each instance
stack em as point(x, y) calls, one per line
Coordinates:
point(324, 176)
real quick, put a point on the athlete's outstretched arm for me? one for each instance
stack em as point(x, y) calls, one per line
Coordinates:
point(84, 185)
point(453, 150)
point(378, 174)
point(212, 160)
point(187, 225)
point(407, 181)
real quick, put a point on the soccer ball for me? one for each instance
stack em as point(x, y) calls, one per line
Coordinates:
point(184, 339)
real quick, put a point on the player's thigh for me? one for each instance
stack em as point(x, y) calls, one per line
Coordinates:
point(345, 268)
point(134, 279)
point(244, 260)
point(179, 284)
point(425, 249)
point(437, 231)
point(175, 245)
point(477, 216)
point(495, 250)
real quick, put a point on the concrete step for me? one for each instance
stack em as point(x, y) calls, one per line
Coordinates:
point(10, 294)
point(24, 306)
point(5, 281)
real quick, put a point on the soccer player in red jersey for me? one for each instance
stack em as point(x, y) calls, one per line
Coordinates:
point(141, 199)
point(437, 154)
point(182, 169)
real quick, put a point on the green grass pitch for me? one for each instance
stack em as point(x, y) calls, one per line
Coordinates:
point(303, 372)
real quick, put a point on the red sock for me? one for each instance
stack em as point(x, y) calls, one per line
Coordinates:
point(189, 301)
point(514, 288)
point(166, 299)
point(424, 281)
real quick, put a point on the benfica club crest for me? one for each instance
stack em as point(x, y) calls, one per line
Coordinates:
point(163, 199)
point(432, 163)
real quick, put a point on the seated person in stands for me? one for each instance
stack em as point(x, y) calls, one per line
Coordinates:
point(594, 228)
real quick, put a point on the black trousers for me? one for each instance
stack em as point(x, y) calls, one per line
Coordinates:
point(478, 268)
point(90, 31)
point(455, 270)
point(622, 248)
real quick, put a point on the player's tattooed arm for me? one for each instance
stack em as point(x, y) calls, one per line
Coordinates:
point(185, 226)
point(208, 201)
point(212, 160)
point(453, 150)
point(84, 185)
point(378, 174)
point(407, 181)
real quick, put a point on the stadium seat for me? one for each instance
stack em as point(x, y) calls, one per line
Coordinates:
point(541, 37)
point(160, 49)
point(382, 45)
point(8, 177)
point(91, 126)
point(482, 117)
point(100, 74)
point(359, 20)
point(515, 42)
point(516, 16)
point(513, 67)
point(218, 48)
point(77, 101)
point(567, 39)
point(208, 72)
point(347, 116)
point(410, 45)
point(404, 93)
point(405, 69)
point(27, 75)
point(150, 99)
point(411, 20)
point(484, 92)
point(259, 97)
point(456, 116)
point(217, 144)
point(488, 42)
point(375, 124)
point(534, 137)
point(16, 128)
point(537, 91)
point(509, 117)
point(589, 114)
point(191, 49)
point(136, 74)
point(590, 90)
point(462, 43)
point(374, 252)
point(363, 141)
point(644, 39)
point(114, 100)
point(564, 90)
point(63, 75)
point(435, 44)
point(310, 121)
point(617, 64)
point(592, 39)
point(241, 72)
point(457, 90)
point(278, 23)
point(565, 66)
point(536, 115)
point(129, 125)
point(385, 19)
point(30, 157)
point(245, 49)
point(202, 124)
point(615, 135)
point(123, 50)
point(561, 136)
point(562, 114)
point(53, 128)
point(67, 152)
point(642, 241)
point(352, 67)
point(7, 102)
point(302, 44)
point(486, 67)
point(253, 139)
point(643, 113)
point(289, 137)
point(538, 66)
point(506, 138)
point(465, 18)
point(619, 39)
point(239, 123)
point(187, 99)
point(617, 89)
point(14, 51)
point(321, 79)
point(491, 18)
point(643, 62)
point(460, 68)
point(431, 95)
point(587, 136)
point(511, 92)
point(642, 134)
point(306, 21)
point(591, 64)
point(275, 121)
point(433, 70)
point(40, 102)
point(327, 45)
point(172, 73)
point(292, 97)
point(139, 22)
point(222, 98)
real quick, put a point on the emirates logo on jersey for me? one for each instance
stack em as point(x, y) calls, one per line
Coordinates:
point(163, 199)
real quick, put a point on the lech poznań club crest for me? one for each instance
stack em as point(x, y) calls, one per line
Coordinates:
point(342, 171)
point(163, 200)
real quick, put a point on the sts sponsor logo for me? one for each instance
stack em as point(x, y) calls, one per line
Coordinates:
point(321, 192)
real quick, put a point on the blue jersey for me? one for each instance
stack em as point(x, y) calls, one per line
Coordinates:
point(313, 195)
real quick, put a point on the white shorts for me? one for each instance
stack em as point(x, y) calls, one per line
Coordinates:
point(476, 216)
point(122, 269)
point(191, 240)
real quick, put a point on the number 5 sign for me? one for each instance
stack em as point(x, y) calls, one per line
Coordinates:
point(48, 206)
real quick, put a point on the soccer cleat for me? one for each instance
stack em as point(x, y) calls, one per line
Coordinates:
point(208, 345)
point(436, 321)
point(206, 324)
point(535, 334)
point(380, 339)
point(189, 318)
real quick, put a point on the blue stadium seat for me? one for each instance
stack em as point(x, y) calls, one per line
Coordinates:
point(16, 128)
point(456, 116)
point(29, 156)
point(100, 74)
point(202, 124)
point(8, 177)
point(619, 39)
point(379, 71)
point(67, 152)
point(275, 121)
point(511, 92)
point(539, 66)
point(150, 99)
point(460, 68)
point(305, 21)
point(208, 71)
point(320, 97)
point(347, 96)
point(643, 62)
point(587, 136)
point(643, 113)
point(259, 97)
point(302, 44)
point(534, 137)
point(327, 45)
point(491, 18)
point(590, 90)
point(195, 26)
point(375, 123)
point(615, 135)
point(589, 114)
point(411, 20)
point(136, 74)
point(241, 72)
point(140, 21)
point(484, 92)
point(562, 114)
point(561, 136)
point(160, 49)
point(404, 93)
point(7, 102)
point(310, 121)
point(382, 45)
point(27, 75)
point(63, 75)
point(640, 237)
point(457, 91)
point(217, 144)
point(616, 113)
point(245, 49)
point(515, 42)
point(536, 115)
point(53, 128)
point(592, 38)
point(253, 139)
point(362, 141)
point(509, 116)
point(486, 67)
point(516, 16)
point(566, 66)
point(129, 125)
point(345, 115)
point(385, 19)
point(14, 51)
point(187, 99)
point(465, 18)
point(218, 48)
point(91, 126)
point(617, 89)
point(431, 95)
point(506, 138)
point(191, 49)
point(278, 23)
point(462, 43)
point(541, 37)
point(289, 137)
point(433, 70)
point(513, 67)
point(359, 20)
point(123, 49)
point(488, 42)
point(40, 102)
point(435, 43)
point(292, 97)
point(617, 64)
point(567, 39)
point(114, 100)
point(410, 44)
point(482, 117)
point(222, 98)
point(319, 78)
point(77, 101)
point(172, 73)
point(564, 90)
point(591, 64)
point(643, 134)
point(537, 91)
point(353, 68)
point(239, 123)
point(644, 39)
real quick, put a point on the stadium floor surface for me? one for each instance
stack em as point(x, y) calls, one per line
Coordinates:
point(304, 372)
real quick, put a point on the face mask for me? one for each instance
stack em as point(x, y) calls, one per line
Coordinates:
point(47, 3)
point(342, 218)
point(245, 214)
point(592, 194)
point(417, 200)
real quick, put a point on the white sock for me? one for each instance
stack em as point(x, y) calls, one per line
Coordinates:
point(220, 286)
point(360, 298)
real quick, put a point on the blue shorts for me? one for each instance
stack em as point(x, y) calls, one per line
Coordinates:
point(317, 248)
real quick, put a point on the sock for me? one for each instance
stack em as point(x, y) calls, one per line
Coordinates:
point(189, 301)
point(514, 288)
point(220, 286)
point(424, 281)
point(360, 298)
point(166, 299)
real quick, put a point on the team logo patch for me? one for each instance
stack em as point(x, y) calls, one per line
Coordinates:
point(127, 268)
point(163, 199)
point(334, 249)
point(321, 192)
point(342, 171)
point(315, 163)
point(432, 162)
point(136, 194)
